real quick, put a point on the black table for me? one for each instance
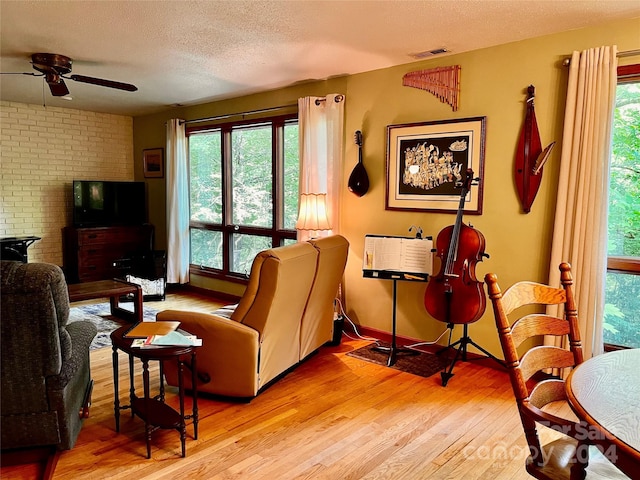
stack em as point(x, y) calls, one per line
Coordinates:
point(153, 410)
point(15, 248)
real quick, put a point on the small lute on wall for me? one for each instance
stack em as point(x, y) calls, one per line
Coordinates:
point(359, 180)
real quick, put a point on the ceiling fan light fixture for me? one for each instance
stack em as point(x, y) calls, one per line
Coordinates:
point(56, 85)
point(52, 77)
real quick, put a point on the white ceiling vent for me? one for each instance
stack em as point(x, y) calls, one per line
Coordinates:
point(429, 53)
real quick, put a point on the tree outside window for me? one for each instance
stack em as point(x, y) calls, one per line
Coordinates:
point(243, 192)
point(622, 294)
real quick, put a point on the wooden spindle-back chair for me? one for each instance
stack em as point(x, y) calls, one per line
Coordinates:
point(570, 457)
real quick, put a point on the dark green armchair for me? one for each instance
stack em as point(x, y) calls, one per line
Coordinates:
point(46, 380)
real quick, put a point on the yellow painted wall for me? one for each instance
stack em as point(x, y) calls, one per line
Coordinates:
point(493, 84)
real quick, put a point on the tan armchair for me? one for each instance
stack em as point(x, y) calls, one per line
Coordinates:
point(242, 353)
point(285, 314)
point(317, 321)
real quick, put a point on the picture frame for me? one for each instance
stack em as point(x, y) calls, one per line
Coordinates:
point(153, 162)
point(425, 161)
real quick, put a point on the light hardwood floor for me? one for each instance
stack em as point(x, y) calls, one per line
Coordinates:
point(333, 417)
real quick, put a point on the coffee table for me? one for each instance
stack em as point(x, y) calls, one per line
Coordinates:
point(113, 289)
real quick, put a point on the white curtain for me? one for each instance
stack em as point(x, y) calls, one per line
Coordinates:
point(321, 130)
point(177, 203)
point(580, 229)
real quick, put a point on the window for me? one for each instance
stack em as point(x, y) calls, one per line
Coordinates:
point(622, 294)
point(243, 192)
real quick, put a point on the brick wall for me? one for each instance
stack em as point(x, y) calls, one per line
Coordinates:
point(42, 150)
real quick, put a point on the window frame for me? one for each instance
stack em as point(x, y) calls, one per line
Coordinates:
point(276, 232)
point(618, 263)
point(615, 263)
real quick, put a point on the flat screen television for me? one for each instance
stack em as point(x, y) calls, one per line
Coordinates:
point(99, 203)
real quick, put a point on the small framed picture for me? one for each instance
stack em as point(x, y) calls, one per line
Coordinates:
point(427, 163)
point(153, 160)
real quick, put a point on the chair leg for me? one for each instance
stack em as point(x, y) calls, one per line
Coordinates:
point(578, 470)
point(46, 458)
point(50, 466)
point(86, 403)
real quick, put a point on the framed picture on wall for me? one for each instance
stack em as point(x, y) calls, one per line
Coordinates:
point(153, 162)
point(426, 163)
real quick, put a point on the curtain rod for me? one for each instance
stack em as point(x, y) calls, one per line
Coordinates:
point(338, 99)
point(252, 112)
point(628, 53)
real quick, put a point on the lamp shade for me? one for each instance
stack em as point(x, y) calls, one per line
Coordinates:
point(313, 212)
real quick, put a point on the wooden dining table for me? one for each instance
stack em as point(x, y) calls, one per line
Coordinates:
point(604, 392)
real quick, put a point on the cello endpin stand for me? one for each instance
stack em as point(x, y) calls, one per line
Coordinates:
point(461, 351)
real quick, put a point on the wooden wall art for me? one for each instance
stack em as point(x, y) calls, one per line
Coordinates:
point(443, 82)
point(530, 157)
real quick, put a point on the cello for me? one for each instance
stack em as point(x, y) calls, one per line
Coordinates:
point(454, 295)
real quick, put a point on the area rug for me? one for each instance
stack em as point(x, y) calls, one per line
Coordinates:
point(421, 364)
point(100, 315)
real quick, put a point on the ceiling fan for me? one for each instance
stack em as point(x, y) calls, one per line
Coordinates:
point(54, 67)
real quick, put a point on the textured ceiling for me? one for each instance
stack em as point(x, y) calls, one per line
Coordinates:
point(190, 52)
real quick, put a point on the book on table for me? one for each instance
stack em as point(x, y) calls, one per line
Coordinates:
point(172, 339)
point(176, 338)
point(147, 329)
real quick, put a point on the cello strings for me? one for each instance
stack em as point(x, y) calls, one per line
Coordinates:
point(455, 236)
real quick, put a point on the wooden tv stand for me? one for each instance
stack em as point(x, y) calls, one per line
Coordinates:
point(91, 254)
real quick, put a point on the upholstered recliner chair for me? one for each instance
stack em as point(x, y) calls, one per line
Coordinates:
point(285, 314)
point(45, 361)
point(316, 327)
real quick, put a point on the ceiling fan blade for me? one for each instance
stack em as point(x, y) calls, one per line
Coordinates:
point(59, 88)
point(104, 83)
point(23, 73)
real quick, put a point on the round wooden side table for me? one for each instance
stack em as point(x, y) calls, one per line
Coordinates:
point(153, 410)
